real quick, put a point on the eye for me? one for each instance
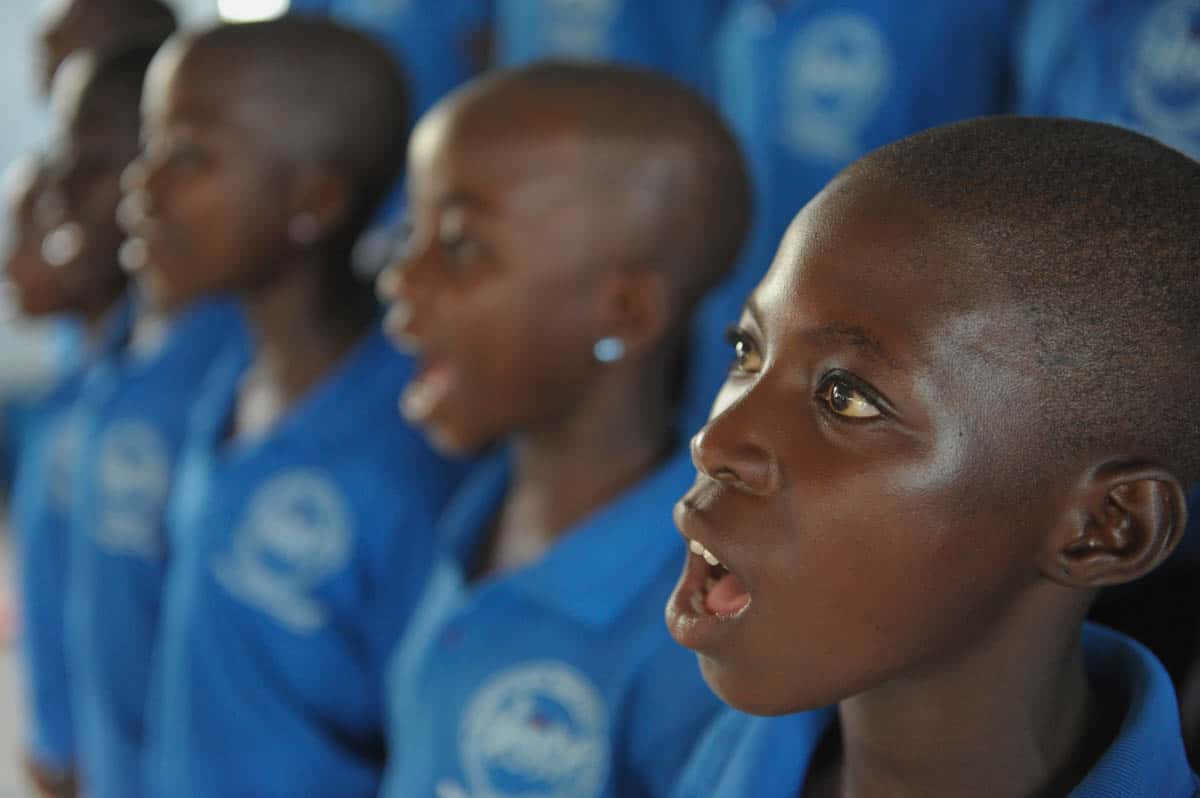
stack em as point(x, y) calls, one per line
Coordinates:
point(845, 399)
point(746, 357)
point(459, 247)
point(461, 250)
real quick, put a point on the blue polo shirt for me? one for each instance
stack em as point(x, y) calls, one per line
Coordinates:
point(743, 756)
point(135, 405)
point(295, 560)
point(1134, 63)
point(558, 678)
point(431, 39)
point(671, 36)
point(38, 516)
point(811, 86)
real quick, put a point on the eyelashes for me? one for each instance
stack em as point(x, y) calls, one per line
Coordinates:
point(840, 393)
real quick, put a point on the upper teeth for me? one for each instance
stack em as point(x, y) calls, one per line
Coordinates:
point(697, 547)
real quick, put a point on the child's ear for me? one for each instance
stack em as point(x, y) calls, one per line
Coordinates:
point(636, 308)
point(322, 201)
point(1125, 521)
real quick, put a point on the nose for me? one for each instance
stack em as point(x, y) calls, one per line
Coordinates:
point(403, 289)
point(730, 449)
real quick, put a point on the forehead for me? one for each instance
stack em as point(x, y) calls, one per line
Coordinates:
point(193, 84)
point(869, 264)
point(512, 161)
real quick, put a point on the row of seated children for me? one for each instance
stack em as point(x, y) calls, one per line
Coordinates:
point(563, 526)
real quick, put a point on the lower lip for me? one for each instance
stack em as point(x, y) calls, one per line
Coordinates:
point(690, 623)
point(425, 392)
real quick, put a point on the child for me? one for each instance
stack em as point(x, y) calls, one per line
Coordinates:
point(565, 220)
point(302, 517)
point(73, 271)
point(132, 409)
point(32, 348)
point(963, 401)
point(41, 446)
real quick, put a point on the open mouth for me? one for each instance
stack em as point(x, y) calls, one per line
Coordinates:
point(715, 590)
point(428, 387)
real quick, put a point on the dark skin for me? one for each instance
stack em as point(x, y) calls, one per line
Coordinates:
point(75, 196)
point(501, 297)
point(867, 476)
point(213, 196)
point(38, 289)
point(71, 26)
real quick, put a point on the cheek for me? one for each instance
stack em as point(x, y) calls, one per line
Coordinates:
point(868, 574)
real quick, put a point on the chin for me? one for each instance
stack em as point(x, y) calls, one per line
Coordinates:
point(756, 693)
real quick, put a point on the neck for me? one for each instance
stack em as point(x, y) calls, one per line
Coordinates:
point(1017, 714)
point(300, 334)
point(564, 470)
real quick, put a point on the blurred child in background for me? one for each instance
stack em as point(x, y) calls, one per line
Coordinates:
point(301, 524)
point(75, 270)
point(133, 409)
point(565, 220)
point(39, 498)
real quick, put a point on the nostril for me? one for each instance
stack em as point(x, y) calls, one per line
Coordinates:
point(743, 465)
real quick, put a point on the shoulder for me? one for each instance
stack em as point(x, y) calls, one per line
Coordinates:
point(1147, 757)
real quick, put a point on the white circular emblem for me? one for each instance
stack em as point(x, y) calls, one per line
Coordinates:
point(296, 533)
point(838, 71)
point(538, 730)
point(579, 28)
point(134, 478)
point(1164, 83)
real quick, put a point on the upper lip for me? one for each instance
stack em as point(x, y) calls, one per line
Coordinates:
point(699, 501)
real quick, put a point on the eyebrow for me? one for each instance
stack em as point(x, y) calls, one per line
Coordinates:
point(836, 332)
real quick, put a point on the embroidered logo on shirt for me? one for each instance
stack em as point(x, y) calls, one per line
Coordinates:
point(539, 729)
point(1164, 83)
point(296, 534)
point(837, 73)
point(134, 478)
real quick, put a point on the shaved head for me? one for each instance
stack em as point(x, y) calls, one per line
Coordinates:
point(317, 93)
point(1090, 231)
point(660, 173)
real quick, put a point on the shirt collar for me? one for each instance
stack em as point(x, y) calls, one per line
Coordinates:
point(600, 566)
point(1147, 758)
